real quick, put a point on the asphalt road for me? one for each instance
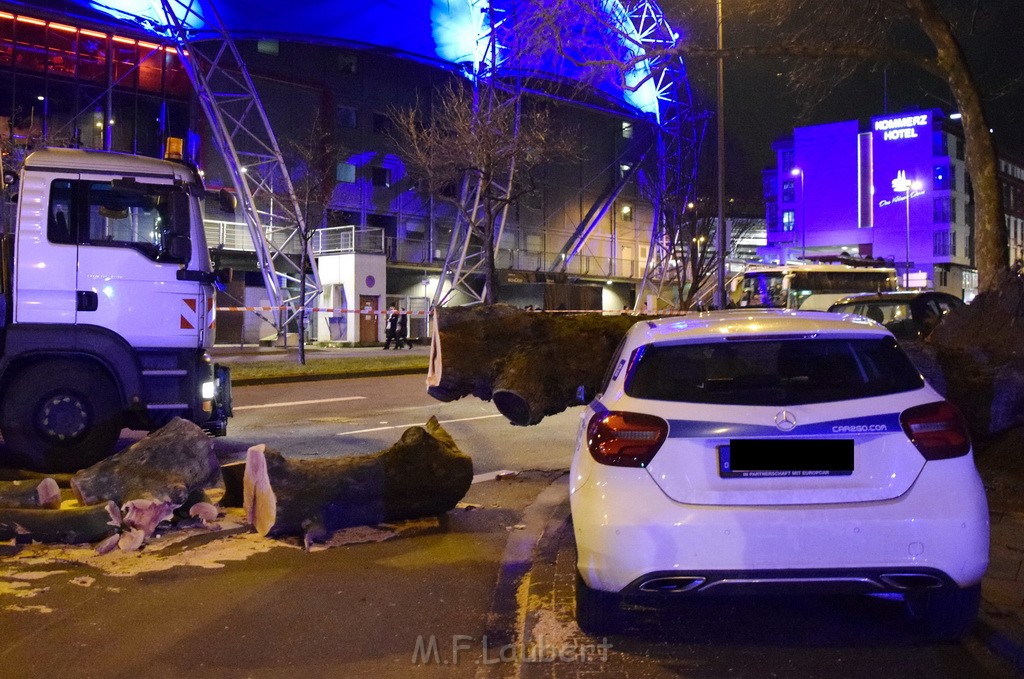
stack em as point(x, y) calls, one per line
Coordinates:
point(357, 416)
point(231, 604)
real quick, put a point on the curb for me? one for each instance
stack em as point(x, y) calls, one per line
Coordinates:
point(319, 377)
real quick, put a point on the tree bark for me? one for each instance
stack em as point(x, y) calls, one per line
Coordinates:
point(71, 526)
point(423, 474)
point(991, 237)
point(43, 494)
point(531, 364)
point(174, 464)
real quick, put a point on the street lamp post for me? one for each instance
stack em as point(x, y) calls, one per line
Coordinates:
point(797, 172)
point(720, 232)
point(905, 186)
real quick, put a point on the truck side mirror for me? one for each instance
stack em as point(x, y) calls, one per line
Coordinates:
point(221, 277)
point(180, 214)
point(227, 200)
point(179, 249)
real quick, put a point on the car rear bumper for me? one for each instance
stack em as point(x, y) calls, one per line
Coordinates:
point(628, 533)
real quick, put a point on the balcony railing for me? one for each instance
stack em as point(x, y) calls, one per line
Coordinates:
point(336, 240)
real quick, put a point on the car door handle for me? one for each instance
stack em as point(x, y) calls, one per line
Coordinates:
point(87, 300)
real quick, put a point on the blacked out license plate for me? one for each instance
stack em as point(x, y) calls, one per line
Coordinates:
point(768, 458)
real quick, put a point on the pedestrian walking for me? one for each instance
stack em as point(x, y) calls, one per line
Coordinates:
point(391, 328)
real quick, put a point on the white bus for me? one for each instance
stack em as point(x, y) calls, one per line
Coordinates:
point(808, 286)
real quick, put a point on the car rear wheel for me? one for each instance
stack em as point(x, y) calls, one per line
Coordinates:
point(597, 613)
point(945, 615)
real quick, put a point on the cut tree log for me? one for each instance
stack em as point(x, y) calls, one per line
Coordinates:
point(530, 364)
point(173, 467)
point(979, 352)
point(44, 494)
point(423, 474)
point(174, 463)
point(73, 525)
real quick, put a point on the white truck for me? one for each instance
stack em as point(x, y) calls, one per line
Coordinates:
point(108, 308)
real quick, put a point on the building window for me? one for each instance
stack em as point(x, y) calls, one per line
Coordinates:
point(627, 130)
point(381, 123)
point(959, 149)
point(939, 142)
point(345, 172)
point(940, 244)
point(952, 243)
point(941, 178)
point(952, 177)
point(626, 211)
point(952, 209)
point(943, 278)
point(380, 176)
point(271, 47)
point(347, 63)
point(772, 216)
point(346, 116)
point(941, 212)
point(787, 160)
point(788, 219)
point(788, 191)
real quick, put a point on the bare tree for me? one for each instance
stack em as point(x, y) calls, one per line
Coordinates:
point(476, 137)
point(826, 40)
point(312, 163)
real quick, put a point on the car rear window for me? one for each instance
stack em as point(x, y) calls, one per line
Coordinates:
point(772, 372)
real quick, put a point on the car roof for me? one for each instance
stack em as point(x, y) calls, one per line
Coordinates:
point(757, 323)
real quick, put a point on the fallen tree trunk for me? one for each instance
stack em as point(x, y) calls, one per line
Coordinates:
point(423, 474)
point(531, 364)
point(72, 526)
point(979, 352)
point(173, 467)
point(44, 494)
point(174, 464)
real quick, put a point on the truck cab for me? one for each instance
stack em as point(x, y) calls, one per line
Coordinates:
point(108, 307)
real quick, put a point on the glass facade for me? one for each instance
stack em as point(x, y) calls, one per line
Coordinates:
point(55, 86)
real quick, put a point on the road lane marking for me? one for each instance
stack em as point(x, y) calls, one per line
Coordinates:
point(414, 424)
point(300, 403)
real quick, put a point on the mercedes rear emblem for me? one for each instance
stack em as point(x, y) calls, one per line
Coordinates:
point(785, 421)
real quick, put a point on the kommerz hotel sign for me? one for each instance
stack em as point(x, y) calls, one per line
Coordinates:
point(901, 128)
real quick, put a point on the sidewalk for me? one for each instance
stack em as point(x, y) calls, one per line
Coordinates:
point(1001, 621)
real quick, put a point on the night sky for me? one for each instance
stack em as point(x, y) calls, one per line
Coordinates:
point(760, 107)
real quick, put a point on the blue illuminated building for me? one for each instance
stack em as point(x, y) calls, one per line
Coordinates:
point(896, 189)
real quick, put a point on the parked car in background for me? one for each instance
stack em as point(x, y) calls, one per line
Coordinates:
point(907, 314)
point(773, 450)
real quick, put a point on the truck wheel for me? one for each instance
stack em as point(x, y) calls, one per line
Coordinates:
point(60, 416)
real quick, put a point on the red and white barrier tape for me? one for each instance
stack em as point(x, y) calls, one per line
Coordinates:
point(426, 313)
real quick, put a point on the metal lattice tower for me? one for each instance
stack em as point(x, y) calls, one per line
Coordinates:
point(250, 149)
point(467, 253)
point(679, 135)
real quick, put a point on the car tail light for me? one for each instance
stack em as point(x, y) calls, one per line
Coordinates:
point(937, 429)
point(625, 439)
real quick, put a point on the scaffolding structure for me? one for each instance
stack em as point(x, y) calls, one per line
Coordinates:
point(244, 135)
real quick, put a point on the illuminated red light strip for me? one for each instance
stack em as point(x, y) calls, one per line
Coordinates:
point(62, 27)
point(30, 20)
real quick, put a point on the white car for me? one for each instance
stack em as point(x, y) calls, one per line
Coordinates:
point(746, 452)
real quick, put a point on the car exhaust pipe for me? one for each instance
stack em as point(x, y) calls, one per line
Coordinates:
point(672, 585)
point(911, 581)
